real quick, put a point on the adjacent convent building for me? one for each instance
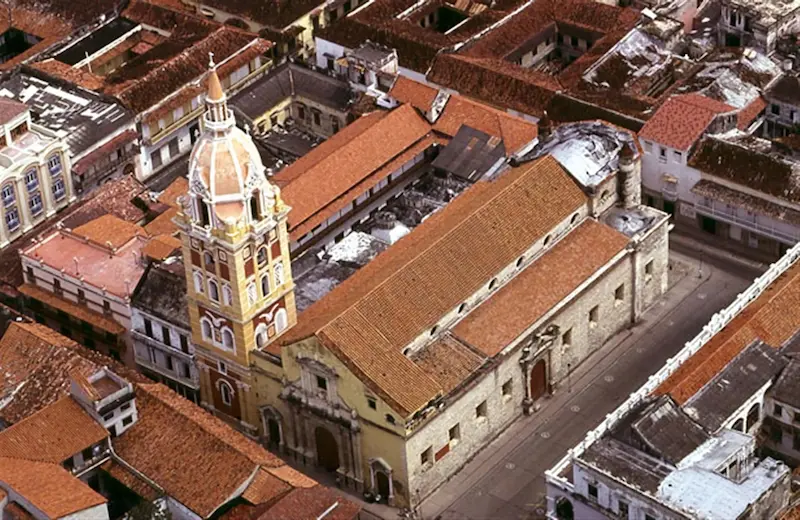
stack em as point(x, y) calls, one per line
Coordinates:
point(403, 372)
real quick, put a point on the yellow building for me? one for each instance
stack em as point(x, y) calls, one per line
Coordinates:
point(236, 251)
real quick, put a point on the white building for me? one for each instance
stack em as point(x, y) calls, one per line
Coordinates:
point(35, 179)
point(161, 331)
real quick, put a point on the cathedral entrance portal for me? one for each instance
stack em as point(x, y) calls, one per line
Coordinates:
point(327, 449)
point(538, 380)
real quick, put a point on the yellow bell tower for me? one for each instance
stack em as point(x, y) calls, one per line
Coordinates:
point(236, 255)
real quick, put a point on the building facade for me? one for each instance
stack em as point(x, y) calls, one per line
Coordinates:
point(236, 251)
point(35, 180)
point(161, 330)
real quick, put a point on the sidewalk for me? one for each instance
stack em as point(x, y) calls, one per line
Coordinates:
point(684, 282)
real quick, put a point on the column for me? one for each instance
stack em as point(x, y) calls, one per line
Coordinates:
point(46, 188)
point(23, 197)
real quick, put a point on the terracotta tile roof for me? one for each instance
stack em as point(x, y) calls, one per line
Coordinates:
point(747, 166)
point(52, 434)
point(448, 362)
point(514, 131)
point(110, 231)
point(309, 504)
point(178, 188)
point(407, 90)
point(163, 224)
point(222, 460)
point(9, 109)
point(265, 488)
point(73, 309)
point(496, 81)
point(786, 89)
point(45, 21)
point(36, 362)
point(368, 319)
point(527, 297)
point(682, 120)
point(277, 14)
point(335, 168)
point(749, 113)
point(130, 480)
point(344, 199)
point(161, 247)
point(48, 487)
point(292, 476)
point(774, 317)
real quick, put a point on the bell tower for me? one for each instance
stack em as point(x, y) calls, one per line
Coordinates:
point(236, 255)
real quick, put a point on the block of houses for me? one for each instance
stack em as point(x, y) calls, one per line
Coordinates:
point(85, 448)
point(783, 114)
point(756, 24)
point(711, 433)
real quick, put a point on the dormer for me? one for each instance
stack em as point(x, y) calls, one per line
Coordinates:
point(107, 397)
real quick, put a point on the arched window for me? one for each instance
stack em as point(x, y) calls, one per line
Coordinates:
point(753, 416)
point(227, 339)
point(198, 282)
point(261, 256)
point(252, 294)
point(493, 284)
point(255, 214)
point(205, 329)
point(573, 219)
point(31, 179)
point(213, 290)
point(9, 196)
point(226, 392)
point(547, 240)
point(281, 320)
point(54, 164)
point(739, 425)
point(265, 285)
point(208, 258)
point(278, 267)
point(227, 294)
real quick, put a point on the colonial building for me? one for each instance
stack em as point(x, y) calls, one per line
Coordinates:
point(744, 23)
point(161, 330)
point(701, 437)
point(35, 177)
point(80, 282)
point(236, 253)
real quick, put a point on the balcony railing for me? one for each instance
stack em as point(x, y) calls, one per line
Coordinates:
point(152, 342)
point(193, 383)
point(751, 224)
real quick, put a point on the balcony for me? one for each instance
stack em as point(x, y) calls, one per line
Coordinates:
point(168, 349)
point(193, 383)
point(751, 223)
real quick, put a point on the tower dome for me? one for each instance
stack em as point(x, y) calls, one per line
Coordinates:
point(226, 175)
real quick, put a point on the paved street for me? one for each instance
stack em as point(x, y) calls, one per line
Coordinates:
point(506, 479)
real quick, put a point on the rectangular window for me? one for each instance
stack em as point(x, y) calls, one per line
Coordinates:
point(58, 189)
point(775, 109)
point(594, 315)
point(31, 179)
point(81, 297)
point(148, 328)
point(317, 119)
point(12, 220)
point(677, 156)
point(593, 492)
point(426, 457)
point(796, 416)
point(125, 407)
point(622, 508)
point(165, 337)
point(776, 434)
point(31, 276)
point(128, 420)
point(777, 410)
point(222, 367)
point(507, 387)
point(372, 403)
point(170, 364)
point(649, 517)
point(480, 411)
point(108, 416)
point(662, 154)
point(648, 268)
point(454, 434)
point(106, 307)
point(796, 441)
point(574, 41)
point(155, 158)
point(301, 112)
point(185, 370)
point(322, 383)
point(566, 338)
point(619, 294)
point(648, 147)
point(57, 286)
point(184, 344)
